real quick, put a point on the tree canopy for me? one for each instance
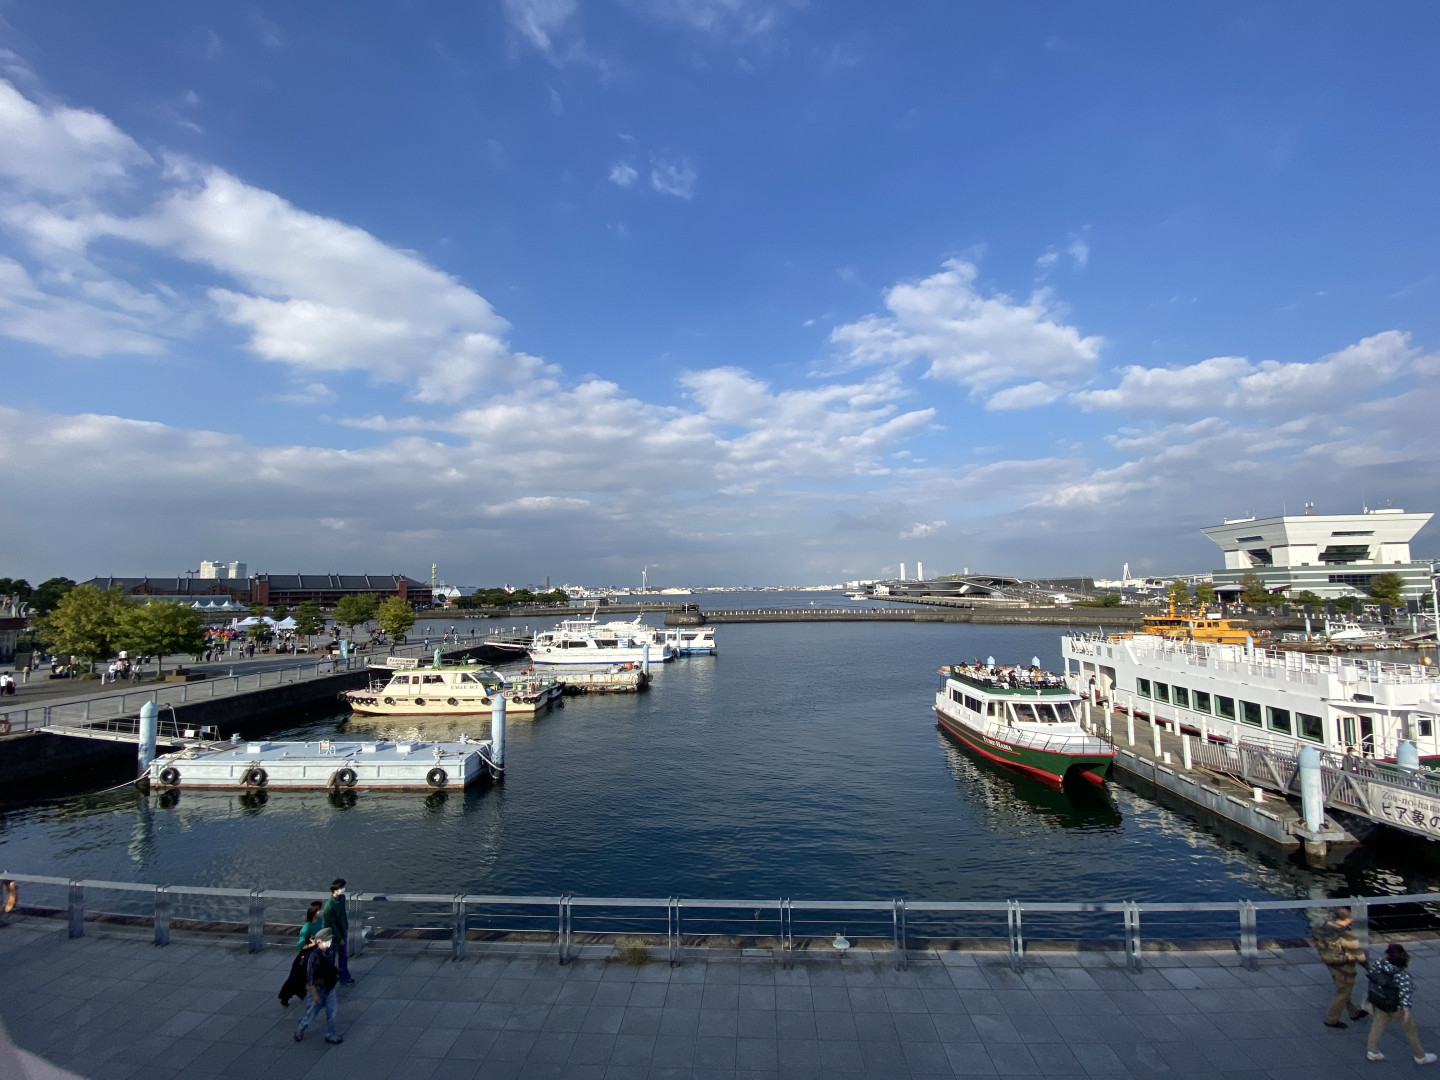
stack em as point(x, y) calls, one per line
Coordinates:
point(504, 598)
point(279, 612)
point(1306, 598)
point(85, 622)
point(48, 593)
point(1255, 593)
point(1205, 592)
point(1179, 592)
point(161, 628)
point(1387, 588)
point(395, 616)
point(354, 609)
point(308, 619)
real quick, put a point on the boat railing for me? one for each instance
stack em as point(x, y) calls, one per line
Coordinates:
point(781, 928)
point(1067, 744)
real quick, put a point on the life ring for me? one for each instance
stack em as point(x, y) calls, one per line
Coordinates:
point(437, 777)
point(254, 777)
point(451, 702)
point(343, 778)
point(389, 701)
point(170, 776)
point(419, 701)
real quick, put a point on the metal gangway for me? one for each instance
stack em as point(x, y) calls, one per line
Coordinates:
point(1403, 798)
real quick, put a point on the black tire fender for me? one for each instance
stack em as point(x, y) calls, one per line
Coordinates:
point(170, 776)
point(451, 702)
point(389, 701)
point(254, 776)
point(343, 778)
point(419, 701)
point(437, 777)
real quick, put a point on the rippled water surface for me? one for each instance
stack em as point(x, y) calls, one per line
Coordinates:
point(802, 761)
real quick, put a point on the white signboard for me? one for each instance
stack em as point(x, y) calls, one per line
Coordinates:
point(1412, 810)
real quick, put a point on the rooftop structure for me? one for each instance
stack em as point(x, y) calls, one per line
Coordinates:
point(270, 589)
point(1330, 555)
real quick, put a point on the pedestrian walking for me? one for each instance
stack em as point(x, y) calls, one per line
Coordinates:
point(320, 979)
point(295, 982)
point(1340, 950)
point(336, 919)
point(1391, 990)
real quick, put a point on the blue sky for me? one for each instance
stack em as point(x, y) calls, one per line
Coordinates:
point(742, 290)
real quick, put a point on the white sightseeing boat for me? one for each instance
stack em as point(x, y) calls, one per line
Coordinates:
point(1348, 632)
point(683, 641)
point(1280, 699)
point(466, 690)
point(588, 642)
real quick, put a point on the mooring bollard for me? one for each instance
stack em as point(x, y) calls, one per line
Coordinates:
point(1155, 734)
point(1109, 719)
point(1312, 788)
point(645, 659)
point(149, 722)
point(1130, 722)
point(1185, 749)
point(497, 731)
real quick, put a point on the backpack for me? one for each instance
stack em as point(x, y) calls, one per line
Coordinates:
point(1383, 993)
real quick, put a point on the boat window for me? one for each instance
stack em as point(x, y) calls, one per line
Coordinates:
point(1200, 701)
point(1023, 712)
point(1312, 727)
point(466, 678)
point(1142, 687)
point(1225, 707)
point(1065, 712)
point(1250, 713)
point(434, 678)
point(1162, 692)
point(1182, 696)
point(1425, 727)
point(995, 708)
point(956, 696)
point(973, 704)
point(1279, 719)
point(1046, 712)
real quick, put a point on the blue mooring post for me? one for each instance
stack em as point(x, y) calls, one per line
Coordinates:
point(437, 658)
point(149, 722)
point(497, 730)
point(1407, 755)
point(1312, 788)
point(645, 659)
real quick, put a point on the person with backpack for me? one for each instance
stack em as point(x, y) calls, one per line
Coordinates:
point(336, 919)
point(295, 982)
point(1340, 951)
point(320, 980)
point(1391, 988)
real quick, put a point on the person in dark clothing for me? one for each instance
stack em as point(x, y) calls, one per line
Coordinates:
point(295, 981)
point(320, 980)
point(1340, 951)
point(1391, 990)
point(336, 919)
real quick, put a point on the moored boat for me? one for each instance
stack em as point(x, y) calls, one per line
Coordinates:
point(462, 690)
point(588, 642)
point(1026, 719)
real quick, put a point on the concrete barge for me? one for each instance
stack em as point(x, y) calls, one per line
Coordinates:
point(326, 765)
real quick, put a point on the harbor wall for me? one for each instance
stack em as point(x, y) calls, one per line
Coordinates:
point(34, 755)
point(1250, 816)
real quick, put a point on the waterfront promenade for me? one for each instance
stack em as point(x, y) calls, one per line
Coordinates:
point(109, 1008)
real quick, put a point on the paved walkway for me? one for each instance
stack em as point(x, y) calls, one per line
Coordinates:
point(112, 1008)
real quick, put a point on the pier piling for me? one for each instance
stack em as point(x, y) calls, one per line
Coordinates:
point(149, 725)
point(497, 730)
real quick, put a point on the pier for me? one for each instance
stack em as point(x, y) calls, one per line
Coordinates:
point(100, 998)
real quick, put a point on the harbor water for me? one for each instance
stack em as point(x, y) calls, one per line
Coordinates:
point(803, 761)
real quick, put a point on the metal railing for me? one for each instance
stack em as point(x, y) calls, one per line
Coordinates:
point(95, 711)
point(781, 928)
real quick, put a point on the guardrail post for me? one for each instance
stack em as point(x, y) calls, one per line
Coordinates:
point(1249, 943)
point(1360, 909)
point(76, 910)
point(787, 934)
point(355, 919)
point(562, 930)
point(1132, 935)
point(457, 937)
point(672, 929)
point(162, 915)
point(902, 935)
point(1014, 925)
point(257, 920)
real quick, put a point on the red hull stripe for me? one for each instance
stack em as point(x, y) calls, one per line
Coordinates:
point(970, 740)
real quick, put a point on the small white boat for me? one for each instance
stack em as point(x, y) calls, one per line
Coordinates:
point(1349, 632)
point(340, 766)
point(450, 691)
point(588, 642)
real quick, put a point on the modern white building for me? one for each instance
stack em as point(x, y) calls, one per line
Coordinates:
point(220, 571)
point(1330, 555)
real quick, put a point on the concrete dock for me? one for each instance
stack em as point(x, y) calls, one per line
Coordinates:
point(113, 1008)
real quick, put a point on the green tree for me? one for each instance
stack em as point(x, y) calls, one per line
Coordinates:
point(160, 629)
point(1387, 588)
point(85, 622)
point(1179, 592)
point(354, 609)
point(1345, 603)
point(1254, 592)
point(48, 593)
point(1310, 599)
point(308, 619)
point(1205, 593)
point(257, 609)
point(395, 616)
point(279, 611)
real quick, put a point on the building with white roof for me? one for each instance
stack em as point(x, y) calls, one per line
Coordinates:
point(1330, 555)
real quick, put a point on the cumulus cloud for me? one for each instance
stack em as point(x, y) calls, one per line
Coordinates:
point(540, 22)
point(922, 530)
point(731, 19)
point(673, 176)
point(61, 150)
point(1236, 384)
point(623, 174)
point(983, 342)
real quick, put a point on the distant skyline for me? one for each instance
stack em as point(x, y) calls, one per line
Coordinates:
point(738, 290)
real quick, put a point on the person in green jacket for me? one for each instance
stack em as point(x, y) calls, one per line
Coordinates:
point(336, 919)
point(294, 985)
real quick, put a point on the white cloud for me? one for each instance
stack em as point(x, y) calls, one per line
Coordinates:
point(623, 174)
point(1235, 384)
point(922, 530)
point(733, 19)
point(981, 342)
point(673, 176)
point(540, 21)
point(61, 150)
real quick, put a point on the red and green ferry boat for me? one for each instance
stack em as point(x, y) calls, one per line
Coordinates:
point(1026, 719)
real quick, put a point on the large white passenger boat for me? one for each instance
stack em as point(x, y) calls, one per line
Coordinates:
point(1280, 699)
point(467, 690)
point(683, 641)
point(585, 641)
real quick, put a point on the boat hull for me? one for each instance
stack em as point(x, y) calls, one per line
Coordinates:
point(1048, 765)
point(378, 703)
